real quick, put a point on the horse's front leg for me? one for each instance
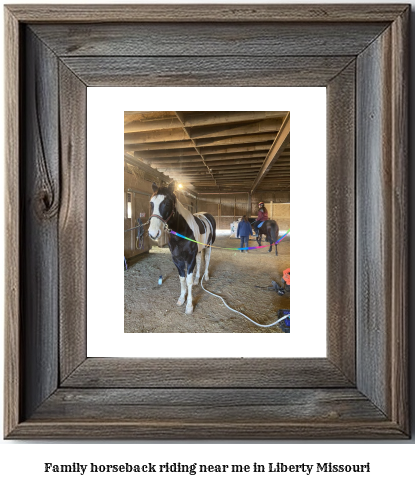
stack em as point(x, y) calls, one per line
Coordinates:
point(189, 304)
point(181, 268)
point(189, 279)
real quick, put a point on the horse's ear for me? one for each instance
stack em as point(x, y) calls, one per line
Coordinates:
point(171, 186)
point(155, 187)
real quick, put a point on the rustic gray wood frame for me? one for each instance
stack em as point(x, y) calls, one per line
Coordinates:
point(359, 52)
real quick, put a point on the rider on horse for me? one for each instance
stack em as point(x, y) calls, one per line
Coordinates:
point(262, 216)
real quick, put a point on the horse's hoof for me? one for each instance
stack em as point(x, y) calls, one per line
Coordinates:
point(180, 301)
point(269, 250)
point(189, 310)
point(196, 281)
point(206, 278)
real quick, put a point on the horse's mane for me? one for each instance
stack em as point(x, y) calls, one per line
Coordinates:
point(188, 217)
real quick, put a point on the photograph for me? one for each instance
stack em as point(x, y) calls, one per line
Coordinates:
point(190, 207)
point(207, 221)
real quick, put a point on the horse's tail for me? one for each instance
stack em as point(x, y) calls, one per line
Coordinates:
point(274, 230)
point(213, 227)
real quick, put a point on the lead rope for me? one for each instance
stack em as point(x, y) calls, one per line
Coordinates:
point(137, 226)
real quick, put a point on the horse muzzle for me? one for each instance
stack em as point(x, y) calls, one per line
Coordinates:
point(156, 236)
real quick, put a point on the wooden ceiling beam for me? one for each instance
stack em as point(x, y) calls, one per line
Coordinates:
point(206, 118)
point(161, 146)
point(177, 164)
point(235, 162)
point(247, 175)
point(173, 154)
point(180, 116)
point(234, 179)
point(156, 136)
point(251, 171)
point(207, 183)
point(236, 148)
point(277, 148)
point(181, 170)
point(255, 164)
point(224, 157)
point(285, 179)
point(239, 167)
point(234, 140)
point(271, 125)
point(195, 180)
point(158, 146)
point(151, 125)
point(189, 174)
point(192, 178)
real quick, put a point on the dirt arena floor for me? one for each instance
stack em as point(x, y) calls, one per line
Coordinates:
point(240, 278)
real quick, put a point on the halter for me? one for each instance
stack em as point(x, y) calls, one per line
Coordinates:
point(166, 227)
point(164, 221)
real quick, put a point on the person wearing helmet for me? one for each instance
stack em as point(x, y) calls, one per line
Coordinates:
point(262, 216)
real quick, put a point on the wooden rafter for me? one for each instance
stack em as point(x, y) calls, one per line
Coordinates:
point(181, 118)
point(203, 149)
point(276, 150)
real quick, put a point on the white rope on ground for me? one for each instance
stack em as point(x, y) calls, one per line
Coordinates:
point(240, 313)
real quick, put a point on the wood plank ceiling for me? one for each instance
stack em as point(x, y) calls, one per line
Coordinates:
point(213, 151)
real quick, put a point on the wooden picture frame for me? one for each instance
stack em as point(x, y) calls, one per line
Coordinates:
point(360, 53)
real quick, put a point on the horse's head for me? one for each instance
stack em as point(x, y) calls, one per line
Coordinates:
point(163, 204)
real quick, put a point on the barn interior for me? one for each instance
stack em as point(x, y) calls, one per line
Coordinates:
point(223, 163)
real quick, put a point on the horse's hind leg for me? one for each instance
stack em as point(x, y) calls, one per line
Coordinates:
point(270, 247)
point(198, 262)
point(276, 249)
point(208, 250)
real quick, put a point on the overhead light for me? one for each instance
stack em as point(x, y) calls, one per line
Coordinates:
point(180, 185)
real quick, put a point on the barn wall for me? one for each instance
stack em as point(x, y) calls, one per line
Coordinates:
point(135, 182)
point(228, 207)
point(267, 196)
point(186, 200)
point(281, 213)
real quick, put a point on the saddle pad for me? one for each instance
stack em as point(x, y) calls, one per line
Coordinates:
point(260, 225)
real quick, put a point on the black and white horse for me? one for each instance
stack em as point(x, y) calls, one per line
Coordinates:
point(166, 210)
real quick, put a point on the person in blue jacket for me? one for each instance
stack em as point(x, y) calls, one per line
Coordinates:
point(244, 231)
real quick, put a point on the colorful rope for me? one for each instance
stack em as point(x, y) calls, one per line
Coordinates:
point(229, 248)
